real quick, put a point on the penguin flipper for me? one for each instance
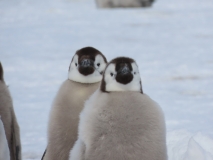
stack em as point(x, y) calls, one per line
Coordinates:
point(16, 142)
point(78, 151)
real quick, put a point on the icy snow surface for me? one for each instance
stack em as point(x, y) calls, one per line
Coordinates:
point(172, 43)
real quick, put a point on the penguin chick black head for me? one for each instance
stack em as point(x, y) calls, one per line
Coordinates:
point(87, 65)
point(121, 74)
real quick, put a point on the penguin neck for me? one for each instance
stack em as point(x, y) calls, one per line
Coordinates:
point(94, 78)
point(83, 84)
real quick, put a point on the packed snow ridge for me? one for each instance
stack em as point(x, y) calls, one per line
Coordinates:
point(183, 145)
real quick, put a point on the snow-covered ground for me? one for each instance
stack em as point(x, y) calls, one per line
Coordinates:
point(172, 43)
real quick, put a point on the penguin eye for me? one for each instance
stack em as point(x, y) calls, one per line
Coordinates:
point(76, 64)
point(98, 64)
point(111, 74)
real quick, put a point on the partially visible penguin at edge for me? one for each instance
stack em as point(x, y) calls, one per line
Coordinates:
point(4, 150)
point(9, 120)
point(85, 74)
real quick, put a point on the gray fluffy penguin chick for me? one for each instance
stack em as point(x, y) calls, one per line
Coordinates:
point(4, 150)
point(9, 120)
point(118, 121)
point(85, 74)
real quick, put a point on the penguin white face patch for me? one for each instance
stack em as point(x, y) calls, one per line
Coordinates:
point(112, 82)
point(98, 66)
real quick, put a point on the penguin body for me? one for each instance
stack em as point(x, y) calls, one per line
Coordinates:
point(9, 121)
point(84, 78)
point(4, 150)
point(123, 3)
point(64, 117)
point(118, 121)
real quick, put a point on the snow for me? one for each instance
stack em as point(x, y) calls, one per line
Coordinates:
point(171, 42)
point(183, 145)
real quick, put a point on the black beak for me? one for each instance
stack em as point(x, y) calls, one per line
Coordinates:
point(124, 75)
point(86, 67)
point(86, 63)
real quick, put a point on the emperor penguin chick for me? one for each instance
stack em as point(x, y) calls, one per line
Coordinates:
point(4, 150)
point(9, 121)
point(85, 74)
point(118, 121)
